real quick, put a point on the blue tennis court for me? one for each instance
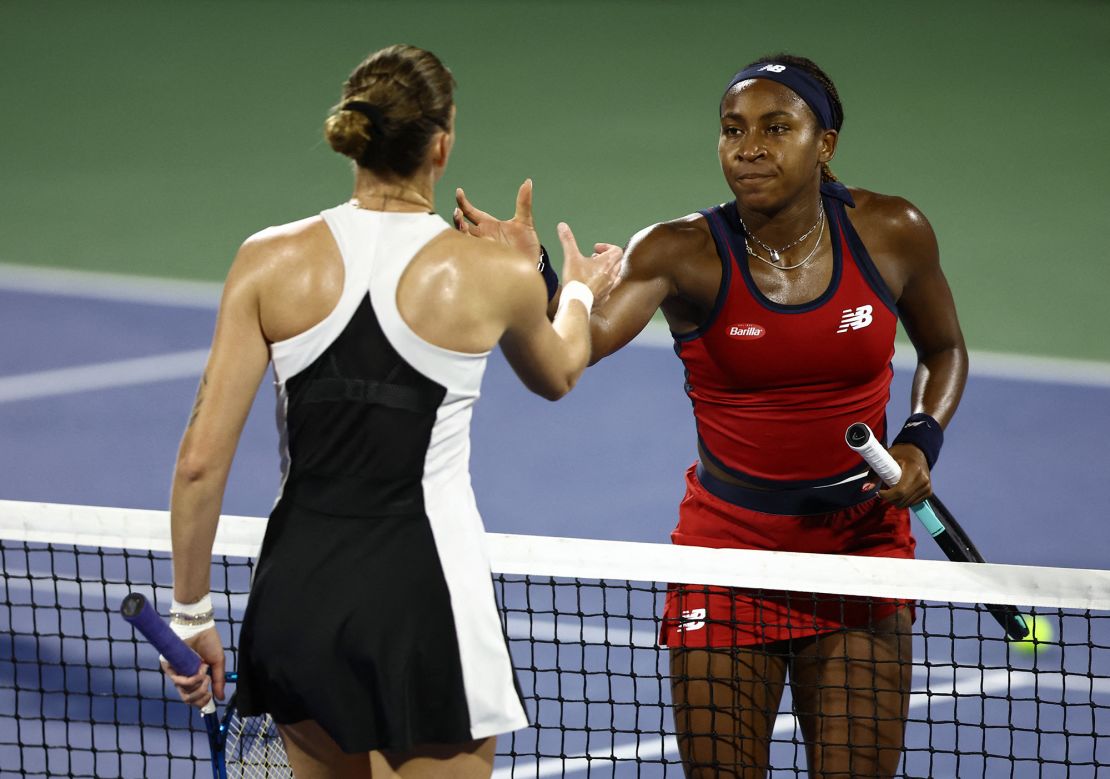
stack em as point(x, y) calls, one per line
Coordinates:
point(96, 390)
point(95, 394)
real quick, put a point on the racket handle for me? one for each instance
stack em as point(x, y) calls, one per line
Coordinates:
point(142, 616)
point(861, 440)
point(928, 518)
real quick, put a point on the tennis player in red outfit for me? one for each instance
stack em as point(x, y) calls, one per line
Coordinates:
point(783, 304)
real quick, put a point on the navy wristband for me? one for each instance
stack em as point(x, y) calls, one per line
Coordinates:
point(924, 432)
point(550, 277)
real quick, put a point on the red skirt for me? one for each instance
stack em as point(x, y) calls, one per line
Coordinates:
point(707, 616)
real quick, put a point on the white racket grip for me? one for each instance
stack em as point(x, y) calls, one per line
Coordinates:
point(860, 439)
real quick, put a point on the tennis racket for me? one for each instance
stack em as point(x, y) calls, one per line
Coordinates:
point(242, 748)
point(936, 519)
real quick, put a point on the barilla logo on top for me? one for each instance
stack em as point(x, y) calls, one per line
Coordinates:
point(747, 332)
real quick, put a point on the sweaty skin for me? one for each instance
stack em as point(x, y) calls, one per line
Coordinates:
point(773, 154)
point(770, 150)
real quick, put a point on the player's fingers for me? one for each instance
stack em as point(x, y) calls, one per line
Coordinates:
point(896, 495)
point(189, 685)
point(524, 203)
point(218, 679)
point(468, 209)
point(615, 271)
point(904, 495)
point(918, 495)
point(566, 238)
point(193, 690)
point(460, 222)
point(196, 697)
point(612, 257)
point(916, 484)
point(891, 495)
point(182, 679)
point(610, 262)
point(870, 481)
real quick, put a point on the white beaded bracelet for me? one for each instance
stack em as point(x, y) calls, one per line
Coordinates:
point(188, 613)
point(189, 619)
point(577, 290)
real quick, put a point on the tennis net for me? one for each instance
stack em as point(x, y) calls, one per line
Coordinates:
point(81, 696)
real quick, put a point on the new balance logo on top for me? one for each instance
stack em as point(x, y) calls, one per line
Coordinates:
point(855, 319)
point(694, 619)
point(774, 68)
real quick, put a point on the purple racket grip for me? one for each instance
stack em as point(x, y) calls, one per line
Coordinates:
point(145, 619)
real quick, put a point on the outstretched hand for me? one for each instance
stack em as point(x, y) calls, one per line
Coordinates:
point(518, 233)
point(599, 272)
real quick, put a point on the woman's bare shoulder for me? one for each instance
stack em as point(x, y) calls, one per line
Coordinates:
point(893, 215)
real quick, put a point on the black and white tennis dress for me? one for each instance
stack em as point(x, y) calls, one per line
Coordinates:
point(372, 608)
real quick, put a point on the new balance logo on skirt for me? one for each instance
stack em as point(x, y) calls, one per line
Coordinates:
point(855, 318)
point(694, 619)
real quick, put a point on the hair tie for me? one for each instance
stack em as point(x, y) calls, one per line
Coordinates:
point(372, 113)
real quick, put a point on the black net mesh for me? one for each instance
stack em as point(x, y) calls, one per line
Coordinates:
point(82, 696)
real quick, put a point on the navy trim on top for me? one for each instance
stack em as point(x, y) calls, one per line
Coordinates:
point(733, 218)
point(716, 228)
point(864, 262)
point(837, 191)
point(807, 501)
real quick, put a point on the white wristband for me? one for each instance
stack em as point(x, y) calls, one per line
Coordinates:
point(185, 632)
point(189, 619)
point(576, 290)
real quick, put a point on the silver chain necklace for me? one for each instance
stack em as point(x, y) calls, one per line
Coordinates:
point(775, 255)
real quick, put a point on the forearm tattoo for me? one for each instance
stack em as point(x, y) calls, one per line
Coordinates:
point(199, 400)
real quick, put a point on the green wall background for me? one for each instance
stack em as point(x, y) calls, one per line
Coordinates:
point(153, 137)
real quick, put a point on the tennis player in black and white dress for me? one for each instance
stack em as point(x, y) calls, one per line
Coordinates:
point(371, 634)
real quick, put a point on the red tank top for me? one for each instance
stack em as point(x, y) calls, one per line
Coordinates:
point(774, 387)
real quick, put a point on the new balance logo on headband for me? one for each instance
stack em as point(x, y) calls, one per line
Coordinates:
point(855, 319)
point(774, 68)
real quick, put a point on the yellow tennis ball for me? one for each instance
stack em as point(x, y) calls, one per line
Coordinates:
point(1041, 635)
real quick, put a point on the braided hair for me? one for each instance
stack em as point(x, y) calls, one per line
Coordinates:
point(812, 69)
point(392, 105)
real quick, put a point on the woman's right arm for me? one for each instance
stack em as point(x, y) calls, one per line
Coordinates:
point(550, 356)
point(646, 278)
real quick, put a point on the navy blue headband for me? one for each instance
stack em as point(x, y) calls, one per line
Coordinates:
point(802, 83)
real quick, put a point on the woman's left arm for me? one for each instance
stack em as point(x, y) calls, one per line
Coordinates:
point(236, 364)
point(928, 314)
